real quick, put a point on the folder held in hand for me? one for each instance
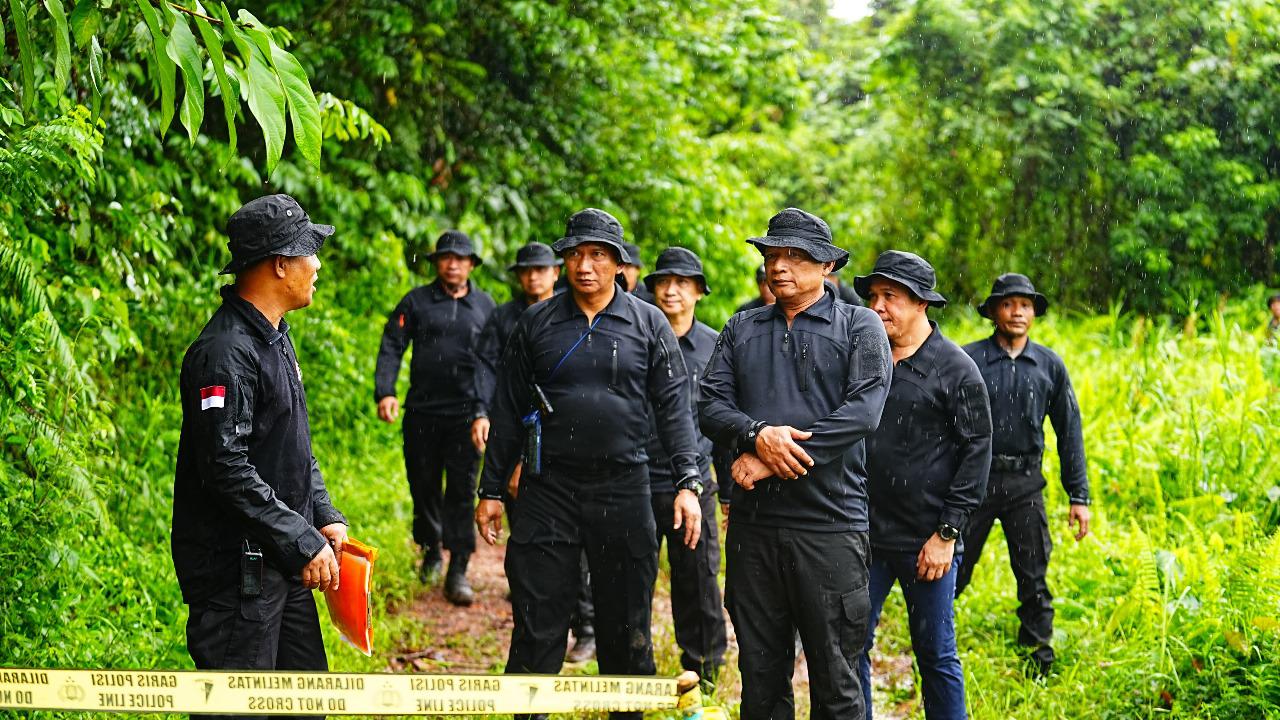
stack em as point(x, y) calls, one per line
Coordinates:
point(349, 606)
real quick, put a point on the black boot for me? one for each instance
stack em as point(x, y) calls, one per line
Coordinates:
point(456, 588)
point(584, 645)
point(429, 570)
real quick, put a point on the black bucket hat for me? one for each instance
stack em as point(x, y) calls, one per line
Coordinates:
point(592, 225)
point(535, 254)
point(798, 229)
point(677, 261)
point(455, 242)
point(271, 225)
point(1013, 284)
point(633, 251)
point(907, 268)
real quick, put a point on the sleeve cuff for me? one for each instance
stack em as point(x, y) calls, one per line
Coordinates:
point(955, 518)
point(329, 516)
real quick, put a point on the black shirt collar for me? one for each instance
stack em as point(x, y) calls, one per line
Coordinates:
point(923, 360)
point(620, 307)
point(824, 309)
point(995, 351)
point(436, 288)
point(252, 316)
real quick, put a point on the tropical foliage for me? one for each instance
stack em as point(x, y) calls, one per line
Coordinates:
point(1122, 153)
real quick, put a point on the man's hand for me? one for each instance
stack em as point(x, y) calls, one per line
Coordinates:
point(322, 572)
point(513, 485)
point(749, 470)
point(480, 433)
point(1078, 515)
point(336, 534)
point(688, 513)
point(934, 559)
point(389, 408)
point(489, 520)
point(776, 447)
point(724, 522)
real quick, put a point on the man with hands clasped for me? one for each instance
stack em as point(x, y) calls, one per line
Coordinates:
point(795, 388)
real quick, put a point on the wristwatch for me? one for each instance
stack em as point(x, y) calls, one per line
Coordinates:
point(690, 481)
point(948, 532)
point(747, 440)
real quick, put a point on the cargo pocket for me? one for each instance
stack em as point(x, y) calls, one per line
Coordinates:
point(854, 608)
point(248, 631)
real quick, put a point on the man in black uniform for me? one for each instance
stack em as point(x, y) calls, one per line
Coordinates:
point(1026, 382)
point(677, 284)
point(254, 530)
point(795, 388)
point(442, 320)
point(765, 296)
point(580, 376)
point(927, 465)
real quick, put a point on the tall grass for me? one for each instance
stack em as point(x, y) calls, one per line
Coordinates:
point(1170, 608)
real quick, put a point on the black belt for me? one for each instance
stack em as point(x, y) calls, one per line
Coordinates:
point(1014, 463)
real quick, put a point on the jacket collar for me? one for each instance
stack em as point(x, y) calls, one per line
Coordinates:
point(925, 358)
point(252, 316)
point(993, 351)
point(824, 309)
point(436, 289)
point(620, 307)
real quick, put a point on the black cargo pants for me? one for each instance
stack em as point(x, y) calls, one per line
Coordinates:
point(277, 630)
point(779, 581)
point(606, 513)
point(438, 451)
point(697, 610)
point(1016, 499)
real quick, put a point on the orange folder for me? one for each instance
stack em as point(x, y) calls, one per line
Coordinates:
point(349, 607)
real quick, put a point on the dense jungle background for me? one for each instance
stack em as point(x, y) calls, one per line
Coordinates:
point(1122, 153)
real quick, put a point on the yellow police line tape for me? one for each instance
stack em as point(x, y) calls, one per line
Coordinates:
point(296, 693)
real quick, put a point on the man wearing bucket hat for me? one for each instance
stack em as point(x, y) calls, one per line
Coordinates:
point(254, 530)
point(795, 388)
point(927, 465)
point(581, 375)
point(677, 283)
point(442, 320)
point(1027, 382)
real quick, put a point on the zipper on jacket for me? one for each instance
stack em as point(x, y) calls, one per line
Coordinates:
point(614, 382)
point(666, 356)
point(804, 366)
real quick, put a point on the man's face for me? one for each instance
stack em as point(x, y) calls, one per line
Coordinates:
point(300, 275)
point(675, 295)
point(1013, 316)
point(454, 269)
point(792, 272)
point(631, 276)
point(591, 267)
point(1275, 309)
point(898, 308)
point(537, 281)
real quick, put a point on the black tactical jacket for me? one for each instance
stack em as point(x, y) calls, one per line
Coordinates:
point(245, 467)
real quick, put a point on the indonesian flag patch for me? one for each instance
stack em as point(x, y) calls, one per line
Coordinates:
point(214, 396)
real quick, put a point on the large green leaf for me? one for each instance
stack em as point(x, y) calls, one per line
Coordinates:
point(304, 111)
point(230, 98)
point(86, 20)
point(267, 103)
point(165, 69)
point(182, 49)
point(61, 43)
point(95, 73)
point(25, 54)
